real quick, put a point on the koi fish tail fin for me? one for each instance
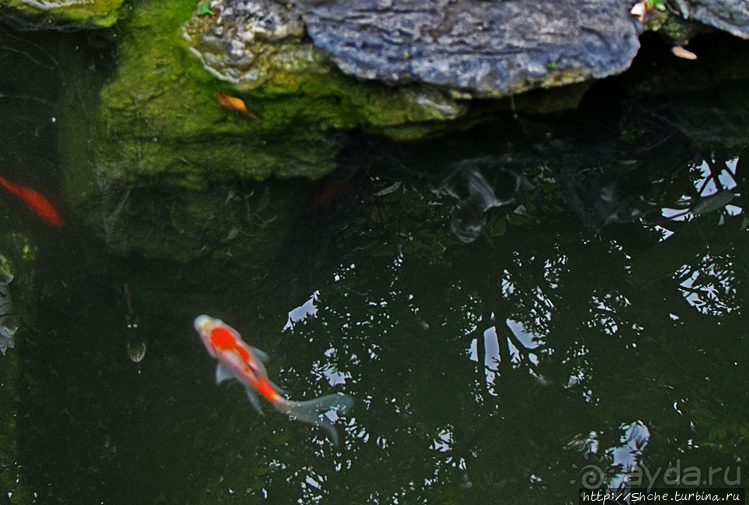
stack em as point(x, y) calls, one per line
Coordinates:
point(313, 411)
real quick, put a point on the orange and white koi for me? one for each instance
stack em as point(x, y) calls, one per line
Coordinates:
point(237, 360)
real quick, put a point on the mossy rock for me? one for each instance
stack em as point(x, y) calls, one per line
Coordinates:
point(61, 14)
point(160, 121)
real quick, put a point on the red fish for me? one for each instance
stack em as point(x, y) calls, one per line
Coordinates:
point(36, 202)
point(237, 360)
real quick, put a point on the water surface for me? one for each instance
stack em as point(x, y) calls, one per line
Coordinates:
point(530, 307)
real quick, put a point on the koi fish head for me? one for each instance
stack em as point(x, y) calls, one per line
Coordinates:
point(216, 335)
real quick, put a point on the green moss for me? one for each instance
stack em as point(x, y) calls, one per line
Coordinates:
point(75, 13)
point(673, 29)
point(160, 120)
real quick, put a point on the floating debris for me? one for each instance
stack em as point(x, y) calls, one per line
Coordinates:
point(390, 189)
point(683, 53)
point(137, 344)
point(233, 233)
point(136, 351)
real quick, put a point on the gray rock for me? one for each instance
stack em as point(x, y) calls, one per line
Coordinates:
point(731, 16)
point(469, 48)
point(484, 48)
point(247, 41)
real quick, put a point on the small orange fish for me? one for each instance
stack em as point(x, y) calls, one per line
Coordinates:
point(237, 360)
point(36, 202)
point(237, 105)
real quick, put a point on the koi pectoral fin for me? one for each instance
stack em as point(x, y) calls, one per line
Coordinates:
point(313, 411)
point(223, 374)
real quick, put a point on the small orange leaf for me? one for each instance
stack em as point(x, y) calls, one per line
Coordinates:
point(237, 105)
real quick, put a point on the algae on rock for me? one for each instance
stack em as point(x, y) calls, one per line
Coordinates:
point(160, 122)
point(260, 46)
point(62, 14)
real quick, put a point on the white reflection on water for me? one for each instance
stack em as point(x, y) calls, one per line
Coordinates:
point(322, 368)
point(444, 440)
point(617, 463)
point(307, 309)
point(706, 188)
point(627, 456)
point(529, 340)
point(329, 371)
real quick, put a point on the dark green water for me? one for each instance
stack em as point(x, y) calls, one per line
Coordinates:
point(571, 344)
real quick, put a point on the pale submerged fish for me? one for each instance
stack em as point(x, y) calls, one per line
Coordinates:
point(137, 345)
point(237, 360)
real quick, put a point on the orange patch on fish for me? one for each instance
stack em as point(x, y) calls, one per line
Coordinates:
point(243, 353)
point(266, 390)
point(222, 339)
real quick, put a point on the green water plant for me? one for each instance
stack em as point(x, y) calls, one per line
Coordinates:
point(655, 4)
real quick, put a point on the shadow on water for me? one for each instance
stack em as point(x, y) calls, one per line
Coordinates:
point(516, 318)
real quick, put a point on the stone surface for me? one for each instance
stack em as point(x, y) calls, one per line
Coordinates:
point(731, 16)
point(248, 43)
point(484, 48)
point(260, 46)
point(159, 121)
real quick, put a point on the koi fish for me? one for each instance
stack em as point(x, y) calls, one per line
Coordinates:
point(237, 105)
point(237, 360)
point(36, 202)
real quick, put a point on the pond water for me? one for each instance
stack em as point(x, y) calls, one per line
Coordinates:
point(529, 307)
